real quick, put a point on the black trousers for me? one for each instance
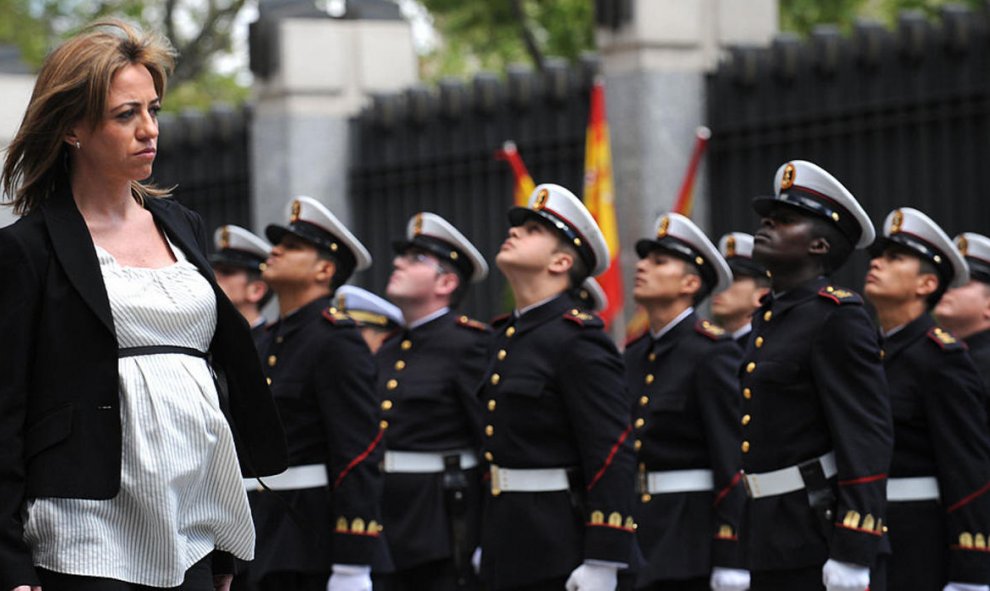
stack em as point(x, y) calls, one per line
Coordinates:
point(699, 584)
point(282, 582)
point(804, 579)
point(439, 575)
point(199, 577)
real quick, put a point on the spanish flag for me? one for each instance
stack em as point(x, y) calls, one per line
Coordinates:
point(684, 205)
point(524, 183)
point(599, 198)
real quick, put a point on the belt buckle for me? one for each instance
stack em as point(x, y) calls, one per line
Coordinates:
point(496, 480)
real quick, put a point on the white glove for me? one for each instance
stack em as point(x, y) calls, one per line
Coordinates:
point(966, 587)
point(350, 577)
point(729, 579)
point(476, 560)
point(845, 576)
point(593, 577)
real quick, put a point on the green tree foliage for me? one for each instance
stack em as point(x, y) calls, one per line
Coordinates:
point(801, 16)
point(199, 29)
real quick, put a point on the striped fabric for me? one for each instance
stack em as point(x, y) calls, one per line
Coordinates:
point(181, 494)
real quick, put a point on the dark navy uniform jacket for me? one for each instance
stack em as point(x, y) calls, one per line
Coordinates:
point(813, 383)
point(427, 380)
point(940, 429)
point(686, 404)
point(555, 397)
point(322, 378)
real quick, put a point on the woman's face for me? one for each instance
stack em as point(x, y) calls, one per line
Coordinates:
point(122, 146)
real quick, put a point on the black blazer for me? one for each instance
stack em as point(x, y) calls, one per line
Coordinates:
point(60, 433)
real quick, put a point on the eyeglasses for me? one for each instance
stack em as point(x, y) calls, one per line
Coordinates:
point(419, 258)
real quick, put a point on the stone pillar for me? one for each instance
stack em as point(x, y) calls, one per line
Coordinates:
point(16, 84)
point(315, 73)
point(655, 63)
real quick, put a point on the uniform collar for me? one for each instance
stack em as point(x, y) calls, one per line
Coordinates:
point(533, 316)
point(745, 330)
point(672, 324)
point(781, 302)
point(428, 318)
point(301, 317)
point(907, 334)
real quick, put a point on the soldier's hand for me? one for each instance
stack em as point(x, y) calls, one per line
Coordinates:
point(845, 576)
point(729, 579)
point(476, 560)
point(350, 577)
point(592, 577)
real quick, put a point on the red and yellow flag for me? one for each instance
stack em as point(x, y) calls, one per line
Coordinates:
point(684, 205)
point(599, 198)
point(524, 183)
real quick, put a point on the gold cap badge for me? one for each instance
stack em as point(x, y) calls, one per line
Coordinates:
point(730, 246)
point(664, 226)
point(224, 238)
point(296, 208)
point(895, 223)
point(963, 245)
point(418, 224)
point(541, 199)
point(787, 180)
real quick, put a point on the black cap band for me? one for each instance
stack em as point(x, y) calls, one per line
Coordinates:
point(816, 203)
point(321, 239)
point(518, 215)
point(681, 250)
point(237, 258)
point(443, 250)
point(922, 249)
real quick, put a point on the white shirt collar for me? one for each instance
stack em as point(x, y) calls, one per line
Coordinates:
point(520, 311)
point(428, 317)
point(672, 323)
point(745, 330)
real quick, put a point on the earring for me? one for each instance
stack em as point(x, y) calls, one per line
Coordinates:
point(78, 146)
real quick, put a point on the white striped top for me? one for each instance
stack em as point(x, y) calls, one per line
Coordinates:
point(181, 494)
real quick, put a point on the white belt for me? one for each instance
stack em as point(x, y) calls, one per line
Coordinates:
point(425, 462)
point(920, 488)
point(785, 480)
point(677, 481)
point(528, 479)
point(296, 477)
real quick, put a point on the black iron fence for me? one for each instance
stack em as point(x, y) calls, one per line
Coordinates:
point(902, 117)
point(433, 150)
point(205, 156)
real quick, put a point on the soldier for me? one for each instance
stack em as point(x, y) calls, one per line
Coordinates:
point(321, 516)
point(556, 414)
point(375, 317)
point(965, 310)
point(682, 375)
point(733, 308)
point(428, 376)
point(816, 413)
point(238, 262)
point(937, 508)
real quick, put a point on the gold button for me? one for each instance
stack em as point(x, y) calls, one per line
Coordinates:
point(751, 367)
point(496, 492)
point(491, 405)
point(406, 345)
point(745, 447)
point(640, 422)
point(501, 354)
point(830, 289)
point(746, 419)
point(392, 384)
point(489, 430)
point(649, 379)
point(279, 339)
point(383, 425)
point(489, 457)
point(495, 379)
point(646, 498)
point(637, 444)
point(272, 360)
point(882, 354)
point(758, 342)
point(652, 356)
point(400, 365)
point(386, 405)
point(269, 380)
point(767, 315)
point(747, 393)
point(644, 400)
point(510, 331)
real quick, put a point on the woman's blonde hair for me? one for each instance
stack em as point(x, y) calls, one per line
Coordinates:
point(73, 87)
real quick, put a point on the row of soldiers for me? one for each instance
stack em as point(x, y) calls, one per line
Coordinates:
point(807, 448)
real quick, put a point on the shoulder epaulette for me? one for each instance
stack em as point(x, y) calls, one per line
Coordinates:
point(840, 296)
point(501, 319)
point(337, 318)
point(706, 328)
point(473, 324)
point(946, 340)
point(583, 318)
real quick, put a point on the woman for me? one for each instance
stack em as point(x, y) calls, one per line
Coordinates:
point(125, 375)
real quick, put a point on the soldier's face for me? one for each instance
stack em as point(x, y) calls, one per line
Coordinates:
point(739, 301)
point(965, 305)
point(530, 245)
point(233, 281)
point(662, 277)
point(415, 276)
point(894, 277)
point(784, 237)
point(293, 262)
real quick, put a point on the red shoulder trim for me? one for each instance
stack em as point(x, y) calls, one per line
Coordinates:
point(945, 339)
point(472, 323)
point(969, 498)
